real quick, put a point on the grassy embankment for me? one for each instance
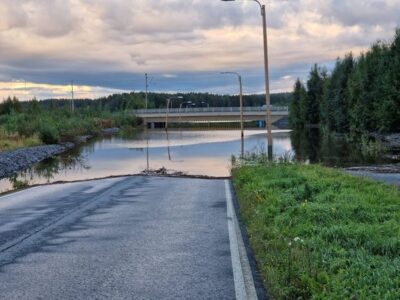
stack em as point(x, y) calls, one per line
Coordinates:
point(319, 233)
point(25, 129)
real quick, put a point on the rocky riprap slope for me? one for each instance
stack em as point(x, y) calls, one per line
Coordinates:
point(393, 140)
point(17, 160)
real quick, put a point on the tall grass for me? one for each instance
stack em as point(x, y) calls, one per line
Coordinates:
point(319, 233)
point(14, 141)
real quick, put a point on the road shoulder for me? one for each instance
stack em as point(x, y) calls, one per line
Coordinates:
point(252, 278)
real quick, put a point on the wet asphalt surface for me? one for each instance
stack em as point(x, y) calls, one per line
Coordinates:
point(126, 238)
point(389, 178)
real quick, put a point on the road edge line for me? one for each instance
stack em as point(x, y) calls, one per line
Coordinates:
point(241, 288)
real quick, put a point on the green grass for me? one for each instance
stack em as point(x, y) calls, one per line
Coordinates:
point(319, 233)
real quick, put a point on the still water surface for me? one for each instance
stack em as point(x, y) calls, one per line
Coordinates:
point(195, 152)
point(190, 151)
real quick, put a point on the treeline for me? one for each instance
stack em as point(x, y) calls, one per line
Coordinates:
point(136, 100)
point(158, 100)
point(359, 96)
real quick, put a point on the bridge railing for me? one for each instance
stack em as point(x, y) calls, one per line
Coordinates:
point(207, 110)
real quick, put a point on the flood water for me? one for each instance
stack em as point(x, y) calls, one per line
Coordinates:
point(194, 152)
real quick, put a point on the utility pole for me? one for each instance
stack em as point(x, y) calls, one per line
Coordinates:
point(72, 96)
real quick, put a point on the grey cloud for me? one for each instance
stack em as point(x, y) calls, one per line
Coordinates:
point(43, 17)
point(14, 16)
point(363, 12)
point(122, 38)
point(53, 18)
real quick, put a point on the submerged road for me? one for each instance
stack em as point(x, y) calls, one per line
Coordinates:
point(124, 238)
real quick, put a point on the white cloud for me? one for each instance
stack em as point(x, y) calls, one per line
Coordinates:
point(29, 90)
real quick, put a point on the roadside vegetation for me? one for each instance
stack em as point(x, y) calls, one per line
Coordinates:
point(29, 124)
point(359, 97)
point(319, 233)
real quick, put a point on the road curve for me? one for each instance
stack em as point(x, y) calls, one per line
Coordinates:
point(125, 238)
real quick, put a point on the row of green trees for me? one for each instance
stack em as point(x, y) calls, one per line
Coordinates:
point(360, 95)
point(136, 100)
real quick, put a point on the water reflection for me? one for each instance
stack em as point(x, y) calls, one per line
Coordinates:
point(195, 152)
point(306, 144)
point(47, 170)
point(315, 146)
point(147, 151)
point(169, 147)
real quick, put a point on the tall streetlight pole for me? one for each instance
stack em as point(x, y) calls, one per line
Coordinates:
point(169, 103)
point(240, 100)
point(266, 68)
point(147, 89)
point(166, 115)
point(180, 108)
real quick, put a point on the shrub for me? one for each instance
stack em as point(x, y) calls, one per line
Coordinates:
point(49, 135)
point(122, 120)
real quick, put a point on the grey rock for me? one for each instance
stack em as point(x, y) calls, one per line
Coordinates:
point(17, 160)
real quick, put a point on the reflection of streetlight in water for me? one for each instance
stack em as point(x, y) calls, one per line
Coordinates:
point(147, 150)
point(169, 149)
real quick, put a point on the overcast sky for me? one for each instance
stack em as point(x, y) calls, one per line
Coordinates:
point(106, 46)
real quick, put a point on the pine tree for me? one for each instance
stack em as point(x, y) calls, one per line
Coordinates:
point(315, 92)
point(295, 111)
point(335, 105)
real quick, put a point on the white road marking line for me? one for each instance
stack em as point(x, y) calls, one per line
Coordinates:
point(240, 289)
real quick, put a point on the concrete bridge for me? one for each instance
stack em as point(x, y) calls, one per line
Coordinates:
point(210, 114)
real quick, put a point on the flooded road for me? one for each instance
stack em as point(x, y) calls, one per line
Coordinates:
point(203, 152)
point(194, 152)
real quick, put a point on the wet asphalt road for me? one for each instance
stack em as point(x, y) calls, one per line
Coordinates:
point(126, 238)
point(389, 178)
